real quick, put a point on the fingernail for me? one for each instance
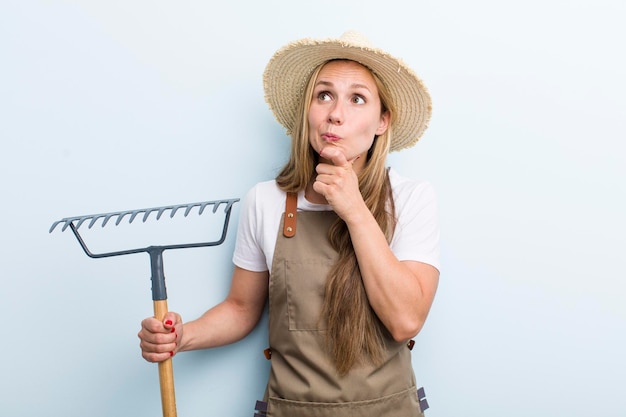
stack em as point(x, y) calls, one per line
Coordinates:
point(173, 329)
point(169, 322)
point(171, 354)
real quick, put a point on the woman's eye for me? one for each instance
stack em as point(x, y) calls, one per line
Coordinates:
point(323, 96)
point(358, 100)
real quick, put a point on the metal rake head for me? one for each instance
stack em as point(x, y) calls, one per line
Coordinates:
point(75, 222)
point(93, 218)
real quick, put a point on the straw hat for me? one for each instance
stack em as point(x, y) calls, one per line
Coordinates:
point(287, 72)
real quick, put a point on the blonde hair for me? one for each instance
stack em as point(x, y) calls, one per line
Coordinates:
point(355, 335)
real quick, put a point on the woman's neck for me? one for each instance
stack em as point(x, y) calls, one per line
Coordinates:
point(313, 196)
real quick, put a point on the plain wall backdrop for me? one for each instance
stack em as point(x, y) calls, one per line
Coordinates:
point(117, 105)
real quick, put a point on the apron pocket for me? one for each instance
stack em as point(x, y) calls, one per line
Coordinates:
point(305, 293)
point(401, 404)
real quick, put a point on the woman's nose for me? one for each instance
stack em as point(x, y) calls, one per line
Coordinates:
point(335, 115)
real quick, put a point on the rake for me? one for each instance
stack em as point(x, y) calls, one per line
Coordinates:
point(159, 292)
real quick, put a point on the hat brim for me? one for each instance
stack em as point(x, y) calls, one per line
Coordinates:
point(286, 74)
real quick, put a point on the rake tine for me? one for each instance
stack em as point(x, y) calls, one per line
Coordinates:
point(92, 222)
point(120, 217)
point(108, 217)
point(228, 204)
point(54, 225)
point(132, 217)
point(189, 208)
point(175, 209)
point(161, 211)
point(81, 220)
point(68, 222)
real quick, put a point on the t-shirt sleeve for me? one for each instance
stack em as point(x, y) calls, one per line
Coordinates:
point(416, 237)
point(248, 252)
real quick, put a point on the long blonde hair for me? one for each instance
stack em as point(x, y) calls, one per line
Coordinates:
point(355, 335)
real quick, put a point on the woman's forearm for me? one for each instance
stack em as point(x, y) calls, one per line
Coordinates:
point(400, 292)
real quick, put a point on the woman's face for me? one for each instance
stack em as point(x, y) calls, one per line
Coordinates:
point(345, 111)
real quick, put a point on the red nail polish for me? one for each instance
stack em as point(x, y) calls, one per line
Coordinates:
point(173, 329)
point(168, 322)
point(171, 354)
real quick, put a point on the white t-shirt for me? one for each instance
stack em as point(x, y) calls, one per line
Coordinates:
point(415, 238)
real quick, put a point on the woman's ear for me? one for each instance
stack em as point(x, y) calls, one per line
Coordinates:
point(384, 123)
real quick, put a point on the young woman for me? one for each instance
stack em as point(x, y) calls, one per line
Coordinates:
point(345, 249)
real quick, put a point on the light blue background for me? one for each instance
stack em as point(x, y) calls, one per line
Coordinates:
point(117, 105)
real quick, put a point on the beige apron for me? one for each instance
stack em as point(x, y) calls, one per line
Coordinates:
point(303, 381)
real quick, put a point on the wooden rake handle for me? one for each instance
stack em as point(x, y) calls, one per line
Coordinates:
point(166, 371)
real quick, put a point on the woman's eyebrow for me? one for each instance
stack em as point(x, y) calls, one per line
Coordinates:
point(325, 83)
point(352, 86)
point(358, 86)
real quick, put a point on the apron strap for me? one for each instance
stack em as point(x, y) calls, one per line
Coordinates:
point(291, 207)
point(260, 408)
point(421, 396)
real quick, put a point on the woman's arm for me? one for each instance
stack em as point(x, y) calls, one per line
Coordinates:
point(400, 292)
point(232, 319)
point(227, 322)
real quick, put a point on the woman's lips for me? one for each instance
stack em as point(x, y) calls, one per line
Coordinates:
point(329, 137)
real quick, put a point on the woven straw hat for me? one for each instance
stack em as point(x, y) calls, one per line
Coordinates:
point(288, 71)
